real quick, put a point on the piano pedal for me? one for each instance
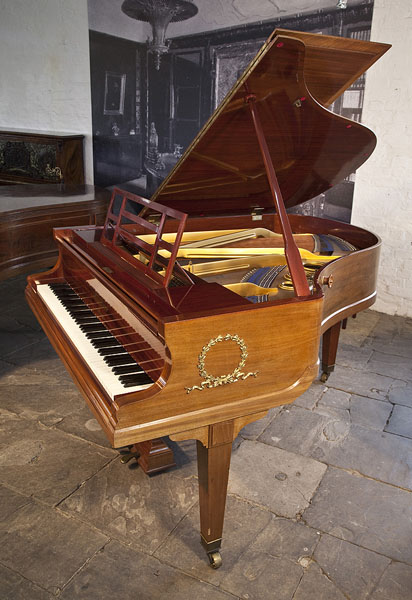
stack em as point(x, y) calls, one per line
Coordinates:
point(152, 456)
point(129, 455)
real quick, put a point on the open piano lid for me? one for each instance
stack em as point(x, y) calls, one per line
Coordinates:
point(293, 77)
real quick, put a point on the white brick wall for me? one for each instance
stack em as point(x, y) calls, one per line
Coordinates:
point(383, 189)
point(45, 68)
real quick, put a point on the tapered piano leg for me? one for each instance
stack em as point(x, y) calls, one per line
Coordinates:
point(330, 342)
point(213, 468)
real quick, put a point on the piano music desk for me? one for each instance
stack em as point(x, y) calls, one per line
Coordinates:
point(28, 214)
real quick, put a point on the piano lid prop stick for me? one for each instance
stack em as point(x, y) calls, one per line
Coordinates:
point(300, 282)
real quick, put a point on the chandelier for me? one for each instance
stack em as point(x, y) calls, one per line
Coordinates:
point(159, 13)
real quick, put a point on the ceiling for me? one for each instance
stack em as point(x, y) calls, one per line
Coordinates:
point(106, 15)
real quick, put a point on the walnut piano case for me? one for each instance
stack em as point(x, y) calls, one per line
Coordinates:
point(140, 311)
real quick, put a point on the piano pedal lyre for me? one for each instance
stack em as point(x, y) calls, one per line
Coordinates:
point(153, 456)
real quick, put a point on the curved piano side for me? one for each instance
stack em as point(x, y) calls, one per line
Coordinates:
point(348, 283)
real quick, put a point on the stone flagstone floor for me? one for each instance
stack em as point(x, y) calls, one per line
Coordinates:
point(319, 504)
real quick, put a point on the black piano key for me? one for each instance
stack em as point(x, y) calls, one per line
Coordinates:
point(93, 327)
point(58, 286)
point(67, 299)
point(106, 351)
point(70, 299)
point(95, 335)
point(108, 342)
point(65, 292)
point(138, 379)
point(80, 317)
point(127, 369)
point(83, 320)
point(119, 353)
point(113, 361)
point(72, 304)
point(81, 313)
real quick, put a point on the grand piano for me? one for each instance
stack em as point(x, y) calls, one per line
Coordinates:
point(191, 314)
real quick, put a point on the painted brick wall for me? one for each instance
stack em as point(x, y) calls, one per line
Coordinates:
point(383, 189)
point(44, 66)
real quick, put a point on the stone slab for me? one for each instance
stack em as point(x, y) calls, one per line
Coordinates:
point(120, 572)
point(258, 576)
point(44, 463)
point(185, 454)
point(10, 501)
point(335, 399)
point(40, 356)
point(15, 587)
point(48, 403)
point(361, 383)
point(315, 585)
point(296, 430)
point(253, 430)
point(390, 365)
point(392, 335)
point(401, 345)
point(353, 356)
point(34, 364)
point(354, 570)
point(19, 310)
point(287, 539)
point(283, 482)
point(131, 507)
point(359, 329)
point(14, 336)
point(312, 396)
point(367, 513)
point(400, 421)
point(332, 439)
point(281, 545)
point(82, 424)
point(27, 376)
point(360, 410)
point(183, 550)
point(369, 413)
point(387, 327)
point(401, 393)
point(45, 547)
point(396, 583)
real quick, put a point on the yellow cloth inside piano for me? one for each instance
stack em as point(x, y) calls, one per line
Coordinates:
point(252, 262)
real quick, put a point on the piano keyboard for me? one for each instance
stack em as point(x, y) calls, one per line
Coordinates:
point(78, 314)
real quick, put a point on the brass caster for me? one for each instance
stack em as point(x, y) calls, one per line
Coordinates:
point(215, 559)
point(324, 377)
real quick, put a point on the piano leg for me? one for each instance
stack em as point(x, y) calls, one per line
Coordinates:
point(330, 342)
point(213, 463)
point(153, 456)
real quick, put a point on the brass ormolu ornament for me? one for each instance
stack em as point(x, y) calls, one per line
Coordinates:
point(211, 381)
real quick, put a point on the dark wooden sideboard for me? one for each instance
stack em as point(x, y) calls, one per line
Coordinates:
point(40, 157)
point(28, 214)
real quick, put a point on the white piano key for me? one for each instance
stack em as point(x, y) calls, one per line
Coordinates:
point(103, 373)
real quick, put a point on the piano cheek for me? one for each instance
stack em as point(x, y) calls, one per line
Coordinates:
point(256, 358)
